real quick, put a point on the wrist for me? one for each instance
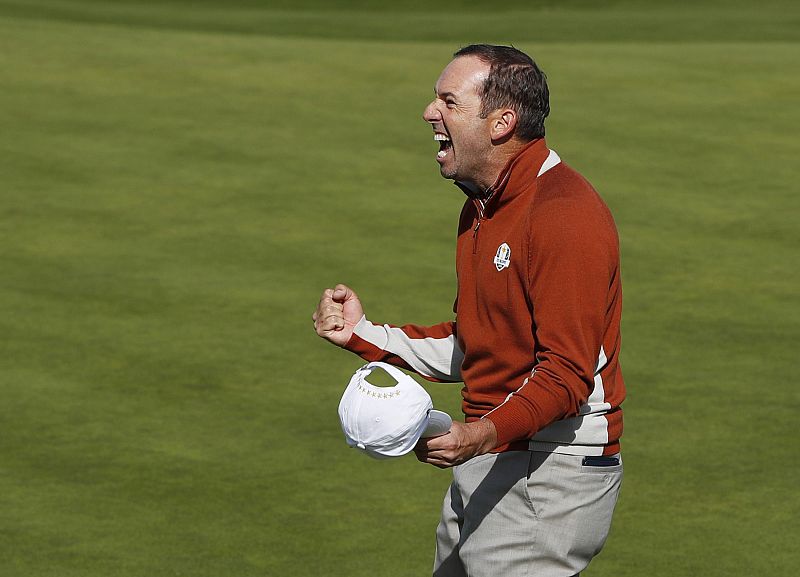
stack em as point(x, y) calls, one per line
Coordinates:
point(486, 436)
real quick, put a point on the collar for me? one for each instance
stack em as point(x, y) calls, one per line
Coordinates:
point(519, 174)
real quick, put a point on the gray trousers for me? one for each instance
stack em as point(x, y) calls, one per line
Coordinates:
point(525, 513)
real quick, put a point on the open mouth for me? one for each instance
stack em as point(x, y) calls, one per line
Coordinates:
point(445, 144)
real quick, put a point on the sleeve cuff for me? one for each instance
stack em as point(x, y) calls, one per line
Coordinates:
point(512, 423)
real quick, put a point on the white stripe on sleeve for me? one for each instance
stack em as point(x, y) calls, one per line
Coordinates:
point(434, 358)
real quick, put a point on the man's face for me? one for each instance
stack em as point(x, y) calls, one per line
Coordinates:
point(454, 114)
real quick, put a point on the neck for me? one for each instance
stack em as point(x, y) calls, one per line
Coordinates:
point(497, 162)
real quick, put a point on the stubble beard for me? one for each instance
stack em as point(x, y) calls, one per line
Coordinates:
point(448, 173)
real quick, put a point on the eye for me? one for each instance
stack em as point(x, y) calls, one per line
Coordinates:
point(450, 103)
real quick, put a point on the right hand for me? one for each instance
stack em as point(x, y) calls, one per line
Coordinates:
point(337, 314)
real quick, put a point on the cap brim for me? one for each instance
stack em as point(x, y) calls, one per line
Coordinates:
point(439, 423)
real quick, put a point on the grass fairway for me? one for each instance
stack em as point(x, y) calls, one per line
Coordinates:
point(179, 181)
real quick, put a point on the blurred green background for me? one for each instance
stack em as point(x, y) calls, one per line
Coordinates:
point(179, 181)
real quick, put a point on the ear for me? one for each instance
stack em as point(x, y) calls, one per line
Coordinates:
point(504, 121)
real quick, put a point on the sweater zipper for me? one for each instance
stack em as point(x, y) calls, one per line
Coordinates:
point(480, 206)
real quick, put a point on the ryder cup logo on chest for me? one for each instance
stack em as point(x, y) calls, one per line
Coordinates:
point(503, 257)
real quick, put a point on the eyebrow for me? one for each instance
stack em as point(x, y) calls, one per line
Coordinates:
point(443, 94)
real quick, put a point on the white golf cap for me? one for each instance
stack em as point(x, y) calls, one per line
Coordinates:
point(388, 421)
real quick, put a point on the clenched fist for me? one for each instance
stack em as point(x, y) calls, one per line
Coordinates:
point(337, 314)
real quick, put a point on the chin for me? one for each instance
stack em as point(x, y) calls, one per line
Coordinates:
point(448, 173)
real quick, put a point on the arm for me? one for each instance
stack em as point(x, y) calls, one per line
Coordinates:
point(432, 352)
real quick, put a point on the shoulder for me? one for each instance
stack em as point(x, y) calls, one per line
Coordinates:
point(567, 211)
point(564, 195)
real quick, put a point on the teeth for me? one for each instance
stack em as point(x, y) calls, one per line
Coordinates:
point(438, 136)
point(441, 154)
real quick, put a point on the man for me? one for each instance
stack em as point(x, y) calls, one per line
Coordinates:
point(536, 338)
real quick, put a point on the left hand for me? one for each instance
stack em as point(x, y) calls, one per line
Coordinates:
point(463, 442)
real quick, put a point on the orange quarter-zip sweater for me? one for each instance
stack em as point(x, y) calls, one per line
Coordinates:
point(536, 338)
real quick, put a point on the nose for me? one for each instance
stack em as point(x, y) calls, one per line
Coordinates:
point(431, 113)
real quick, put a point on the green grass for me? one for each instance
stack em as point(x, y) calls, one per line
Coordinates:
point(179, 181)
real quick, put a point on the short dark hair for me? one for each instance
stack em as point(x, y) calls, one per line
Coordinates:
point(516, 82)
